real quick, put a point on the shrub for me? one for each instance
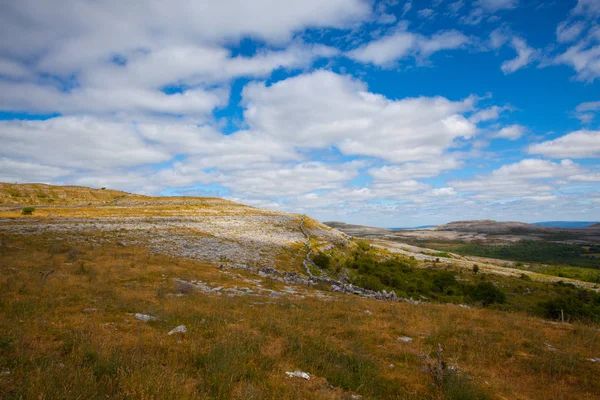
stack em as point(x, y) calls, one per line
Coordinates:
point(475, 268)
point(322, 260)
point(443, 282)
point(487, 293)
point(27, 210)
point(582, 304)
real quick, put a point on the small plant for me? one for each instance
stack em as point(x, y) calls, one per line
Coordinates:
point(435, 367)
point(475, 268)
point(27, 210)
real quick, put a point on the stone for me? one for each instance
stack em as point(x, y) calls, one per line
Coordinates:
point(405, 339)
point(298, 374)
point(179, 329)
point(144, 317)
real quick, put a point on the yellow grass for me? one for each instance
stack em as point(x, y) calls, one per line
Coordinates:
point(234, 348)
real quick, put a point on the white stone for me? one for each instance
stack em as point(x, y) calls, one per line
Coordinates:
point(179, 329)
point(298, 374)
point(144, 317)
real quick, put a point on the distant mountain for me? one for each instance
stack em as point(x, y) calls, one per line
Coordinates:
point(566, 224)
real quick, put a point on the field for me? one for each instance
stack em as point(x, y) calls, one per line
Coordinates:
point(89, 294)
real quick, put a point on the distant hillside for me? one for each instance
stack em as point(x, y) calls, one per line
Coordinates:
point(357, 230)
point(41, 194)
point(493, 227)
point(567, 224)
point(414, 227)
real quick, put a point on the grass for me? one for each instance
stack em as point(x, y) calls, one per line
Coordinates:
point(241, 346)
point(235, 349)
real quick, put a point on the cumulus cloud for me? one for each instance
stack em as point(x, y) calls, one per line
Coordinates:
point(77, 142)
point(528, 177)
point(402, 44)
point(77, 57)
point(578, 144)
point(323, 109)
point(512, 132)
point(407, 171)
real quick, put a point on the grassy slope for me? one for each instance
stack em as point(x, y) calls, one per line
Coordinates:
point(37, 194)
point(240, 347)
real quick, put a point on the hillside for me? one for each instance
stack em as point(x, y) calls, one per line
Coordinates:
point(41, 194)
point(493, 227)
point(189, 297)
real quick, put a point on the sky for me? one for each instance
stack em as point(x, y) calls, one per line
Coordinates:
point(388, 113)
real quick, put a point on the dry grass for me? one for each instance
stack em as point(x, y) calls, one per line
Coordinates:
point(235, 348)
point(53, 346)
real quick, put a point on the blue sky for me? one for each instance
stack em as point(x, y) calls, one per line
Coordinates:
point(388, 112)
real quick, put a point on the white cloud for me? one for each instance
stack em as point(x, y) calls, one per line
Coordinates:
point(407, 171)
point(59, 57)
point(587, 8)
point(586, 112)
point(90, 31)
point(455, 6)
point(21, 171)
point(406, 8)
point(402, 44)
point(585, 59)
point(526, 178)
point(584, 54)
point(512, 132)
point(492, 6)
point(326, 109)
point(482, 8)
point(578, 144)
point(488, 114)
point(426, 13)
point(567, 32)
point(77, 142)
point(443, 192)
point(525, 55)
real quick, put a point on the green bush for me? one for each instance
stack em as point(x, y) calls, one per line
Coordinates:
point(27, 210)
point(444, 282)
point(487, 293)
point(572, 304)
point(322, 260)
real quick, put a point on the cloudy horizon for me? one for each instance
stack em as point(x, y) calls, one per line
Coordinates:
point(378, 112)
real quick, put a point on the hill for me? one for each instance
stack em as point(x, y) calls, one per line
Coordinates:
point(190, 297)
point(36, 194)
point(493, 227)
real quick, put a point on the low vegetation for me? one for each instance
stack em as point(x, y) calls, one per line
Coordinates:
point(376, 270)
point(533, 251)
